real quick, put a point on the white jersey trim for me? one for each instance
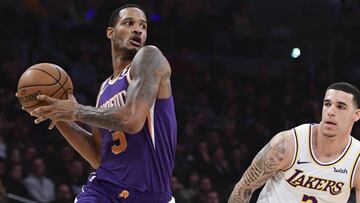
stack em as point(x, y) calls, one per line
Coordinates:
point(353, 172)
point(331, 162)
point(151, 124)
point(296, 144)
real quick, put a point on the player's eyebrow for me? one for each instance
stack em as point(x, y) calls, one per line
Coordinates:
point(342, 103)
point(339, 102)
point(131, 18)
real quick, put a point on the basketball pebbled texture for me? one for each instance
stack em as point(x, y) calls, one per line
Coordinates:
point(42, 78)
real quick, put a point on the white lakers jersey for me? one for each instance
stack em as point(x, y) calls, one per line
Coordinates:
point(309, 180)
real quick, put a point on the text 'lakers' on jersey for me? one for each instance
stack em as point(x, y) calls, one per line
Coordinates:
point(144, 161)
point(309, 180)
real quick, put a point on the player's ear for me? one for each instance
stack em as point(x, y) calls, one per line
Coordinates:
point(109, 32)
point(357, 115)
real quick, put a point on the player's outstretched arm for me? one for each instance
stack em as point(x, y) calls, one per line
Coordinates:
point(276, 155)
point(148, 69)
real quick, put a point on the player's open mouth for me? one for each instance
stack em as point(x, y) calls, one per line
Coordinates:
point(136, 41)
point(330, 123)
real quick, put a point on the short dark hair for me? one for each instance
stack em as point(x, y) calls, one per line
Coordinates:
point(115, 14)
point(348, 88)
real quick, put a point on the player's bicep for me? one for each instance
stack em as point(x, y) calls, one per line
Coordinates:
point(148, 69)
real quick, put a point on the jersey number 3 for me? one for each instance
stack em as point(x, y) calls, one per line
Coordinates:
point(118, 148)
point(309, 199)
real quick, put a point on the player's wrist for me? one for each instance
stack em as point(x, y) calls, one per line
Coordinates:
point(77, 111)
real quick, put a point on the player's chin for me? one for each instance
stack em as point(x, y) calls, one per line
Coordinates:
point(129, 52)
point(134, 48)
point(329, 133)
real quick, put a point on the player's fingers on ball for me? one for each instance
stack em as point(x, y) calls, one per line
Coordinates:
point(42, 111)
point(45, 98)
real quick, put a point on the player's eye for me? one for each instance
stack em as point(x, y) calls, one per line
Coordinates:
point(128, 23)
point(341, 107)
point(143, 26)
point(327, 104)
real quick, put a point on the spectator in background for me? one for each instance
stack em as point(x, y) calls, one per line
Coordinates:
point(76, 176)
point(40, 187)
point(213, 197)
point(178, 191)
point(205, 188)
point(193, 183)
point(202, 157)
point(220, 171)
point(14, 181)
point(15, 157)
point(29, 155)
point(63, 194)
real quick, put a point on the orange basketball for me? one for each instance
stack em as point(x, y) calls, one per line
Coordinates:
point(42, 78)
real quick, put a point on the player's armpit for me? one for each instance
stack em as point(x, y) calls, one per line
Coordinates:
point(276, 155)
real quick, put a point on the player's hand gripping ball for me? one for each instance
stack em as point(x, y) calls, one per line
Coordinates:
point(42, 78)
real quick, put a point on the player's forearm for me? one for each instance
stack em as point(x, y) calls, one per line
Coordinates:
point(252, 179)
point(263, 167)
point(109, 118)
point(81, 141)
point(240, 194)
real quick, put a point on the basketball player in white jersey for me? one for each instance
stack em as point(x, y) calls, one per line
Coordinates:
point(312, 163)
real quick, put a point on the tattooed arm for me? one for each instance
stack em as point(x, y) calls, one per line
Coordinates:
point(150, 73)
point(276, 155)
point(149, 68)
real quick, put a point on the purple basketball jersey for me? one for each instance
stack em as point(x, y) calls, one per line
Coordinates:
point(143, 161)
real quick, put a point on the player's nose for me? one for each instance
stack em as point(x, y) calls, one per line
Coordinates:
point(137, 29)
point(331, 110)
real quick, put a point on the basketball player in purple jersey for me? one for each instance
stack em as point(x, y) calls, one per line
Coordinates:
point(132, 145)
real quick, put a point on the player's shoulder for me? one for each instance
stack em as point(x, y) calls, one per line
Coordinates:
point(306, 126)
point(282, 138)
point(355, 142)
point(152, 61)
point(151, 50)
point(283, 146)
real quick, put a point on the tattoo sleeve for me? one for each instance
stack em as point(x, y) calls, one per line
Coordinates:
point(148, 67)
point(264, 165)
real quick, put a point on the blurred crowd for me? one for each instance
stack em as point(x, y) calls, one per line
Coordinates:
point(234, 82)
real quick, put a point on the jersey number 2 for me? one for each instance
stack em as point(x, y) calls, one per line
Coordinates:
point(309, 199)
point(118, 148)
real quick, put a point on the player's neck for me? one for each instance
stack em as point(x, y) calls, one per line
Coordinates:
point(327, 149)
point(119, 64)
